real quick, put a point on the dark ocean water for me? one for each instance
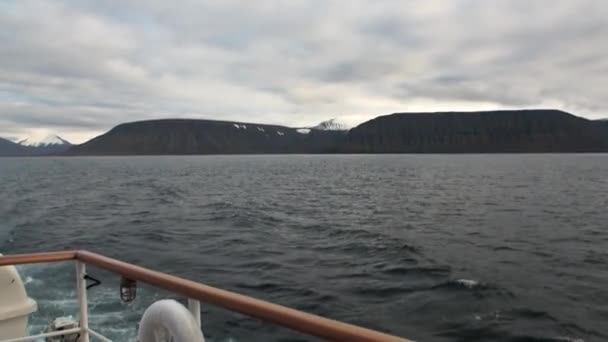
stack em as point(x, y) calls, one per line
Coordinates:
point(429, 247)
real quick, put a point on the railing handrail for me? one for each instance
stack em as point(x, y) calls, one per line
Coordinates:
point(297, 320)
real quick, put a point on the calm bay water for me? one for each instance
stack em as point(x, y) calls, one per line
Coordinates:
point(429, 247)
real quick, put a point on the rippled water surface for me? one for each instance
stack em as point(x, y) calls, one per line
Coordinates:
point(430, 247)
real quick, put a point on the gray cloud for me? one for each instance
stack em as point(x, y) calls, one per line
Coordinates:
point(81, 67)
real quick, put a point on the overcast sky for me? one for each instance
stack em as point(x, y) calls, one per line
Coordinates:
point(80, 67)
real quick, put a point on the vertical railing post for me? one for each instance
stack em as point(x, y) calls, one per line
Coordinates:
point(81, 286)
point(195, 309)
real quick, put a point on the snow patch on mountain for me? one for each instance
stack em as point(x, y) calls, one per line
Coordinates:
point(332, 125)
point(303, 130)
point(44, 140)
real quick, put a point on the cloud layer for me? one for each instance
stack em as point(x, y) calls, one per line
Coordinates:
point(80, 67)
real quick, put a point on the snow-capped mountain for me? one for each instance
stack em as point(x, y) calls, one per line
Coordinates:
point(46, 144)
point(332, 125)
point(50, 139)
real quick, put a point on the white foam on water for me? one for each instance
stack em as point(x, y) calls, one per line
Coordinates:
point(468, 283)
point(59, 303)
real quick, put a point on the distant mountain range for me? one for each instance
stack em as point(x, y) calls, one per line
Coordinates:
point(513, 131)
point(50, 144)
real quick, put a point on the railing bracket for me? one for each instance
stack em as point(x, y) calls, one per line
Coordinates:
point(95, 281)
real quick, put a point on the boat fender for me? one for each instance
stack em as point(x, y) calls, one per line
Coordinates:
point(168, 320)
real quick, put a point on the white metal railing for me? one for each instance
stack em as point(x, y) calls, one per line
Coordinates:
point(99, 336)
point(81, 287)
point(49, 334)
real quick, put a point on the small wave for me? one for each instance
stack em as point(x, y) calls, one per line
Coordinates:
point(596, 258)
point(60, 303)
point(569, 339)
point(454, 285)
point(385, 291)
point(485, 332)
point(475, 286)
point(428, 271)
point(468, 283)
point(528, 338)
point(263, 286)
point(504, 248)
point(531, 314)
point(261, 265)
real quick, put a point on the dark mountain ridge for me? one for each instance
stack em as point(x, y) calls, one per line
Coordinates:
point(186, 136)
point(505, 131)
point(9, 148)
